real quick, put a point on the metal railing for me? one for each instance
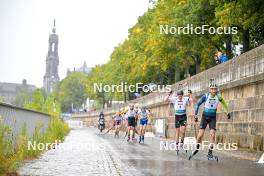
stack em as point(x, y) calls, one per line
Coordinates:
point(249, 64)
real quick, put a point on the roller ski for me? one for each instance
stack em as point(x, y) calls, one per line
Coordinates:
point(177, 148)
point(130, 140)
point(192, 155)
point(116, 134)
point(195, 152)
point(133, 139)
point(125, 135)
point(177, 151)
point(141, 140)
point(211, 157)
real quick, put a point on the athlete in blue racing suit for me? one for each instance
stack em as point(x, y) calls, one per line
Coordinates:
point(211, 101)
point(143, 121)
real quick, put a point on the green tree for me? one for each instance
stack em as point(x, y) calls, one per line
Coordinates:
point(37, 101)
point(149, 57)
point(52, 106)
point(22, 97)
point(71, 90)
point(248, 16)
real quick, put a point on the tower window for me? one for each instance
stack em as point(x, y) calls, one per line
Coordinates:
point(53, 47)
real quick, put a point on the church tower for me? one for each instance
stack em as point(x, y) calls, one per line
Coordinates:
point(51, 77)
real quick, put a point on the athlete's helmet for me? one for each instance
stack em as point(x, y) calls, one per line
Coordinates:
point(131, 106)
point(124, 110)
point(101, 115)
point(144, 107)
point(180, 92)
point(212, 86)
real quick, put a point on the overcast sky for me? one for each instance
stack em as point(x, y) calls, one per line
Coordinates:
point(88, 30)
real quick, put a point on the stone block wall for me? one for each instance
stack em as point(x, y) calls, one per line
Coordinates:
point(241, 82)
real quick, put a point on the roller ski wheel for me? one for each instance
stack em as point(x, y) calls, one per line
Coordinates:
point(212, 158)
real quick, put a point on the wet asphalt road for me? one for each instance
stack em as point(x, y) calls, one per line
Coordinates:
point(86, 152)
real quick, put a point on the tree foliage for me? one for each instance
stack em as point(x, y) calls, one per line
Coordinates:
point(71, 90)
point(148, 56)
point(37, 101)
point(22, 97)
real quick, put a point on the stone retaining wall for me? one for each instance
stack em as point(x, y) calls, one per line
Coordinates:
point(241, 82)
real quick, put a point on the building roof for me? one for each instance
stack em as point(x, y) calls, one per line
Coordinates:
point(13, 87)
point(84, 69)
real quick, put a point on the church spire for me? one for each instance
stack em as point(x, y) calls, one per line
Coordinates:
point(54, 28)
point(51, 77)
